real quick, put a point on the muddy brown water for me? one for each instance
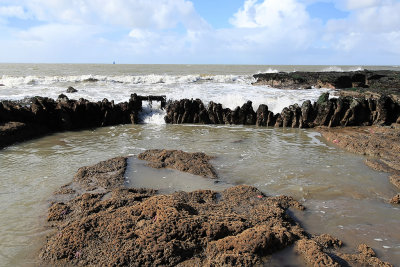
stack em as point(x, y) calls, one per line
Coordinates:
point(343, 196)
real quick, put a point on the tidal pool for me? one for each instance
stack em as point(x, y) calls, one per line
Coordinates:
point(343, 197)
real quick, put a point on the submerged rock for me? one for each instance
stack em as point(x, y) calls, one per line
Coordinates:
point(194, 163)
point(71, 90)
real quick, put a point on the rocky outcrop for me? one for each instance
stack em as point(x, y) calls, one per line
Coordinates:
point(387, 82)
point(194, 163)
point(366, 257)
point(97, 221)
point(316, 253)
point(44, 115)
point(342, 111)
point(100, 223)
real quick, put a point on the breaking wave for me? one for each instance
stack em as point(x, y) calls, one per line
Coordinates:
point(11, 81)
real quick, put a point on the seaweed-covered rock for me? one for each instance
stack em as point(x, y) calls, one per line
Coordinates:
point(194, 163)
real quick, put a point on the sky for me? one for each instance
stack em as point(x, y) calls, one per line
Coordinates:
point(267, 32)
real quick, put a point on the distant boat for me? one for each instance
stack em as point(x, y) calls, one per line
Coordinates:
point(113, 62)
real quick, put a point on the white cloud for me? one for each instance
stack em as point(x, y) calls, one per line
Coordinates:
point(159, 14)
point(271, 13)
point(171, 31)
point(12, 11)
point(373, 28)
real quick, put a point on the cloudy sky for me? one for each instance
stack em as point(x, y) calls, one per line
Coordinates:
point(352, 32)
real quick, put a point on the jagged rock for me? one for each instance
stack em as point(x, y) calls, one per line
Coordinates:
point(286, 116)
point(296, 115)
point(314, 254)
point(247, 116)
point(103, 224)
point(357, 114)
point(262, 115)
point(324, 109)
point(307, 115)
point(365, 257)
point(384, 110)
point(342, 105)
point(215, 113)
point(71, 90)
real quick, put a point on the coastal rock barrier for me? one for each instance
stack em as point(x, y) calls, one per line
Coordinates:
point(40, 116)
point(342, 111)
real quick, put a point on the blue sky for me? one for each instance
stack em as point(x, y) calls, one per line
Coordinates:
point(348, 32)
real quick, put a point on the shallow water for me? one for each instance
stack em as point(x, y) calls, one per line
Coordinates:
point(342, 195)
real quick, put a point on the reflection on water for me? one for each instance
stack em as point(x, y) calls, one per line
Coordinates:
point(343, 196)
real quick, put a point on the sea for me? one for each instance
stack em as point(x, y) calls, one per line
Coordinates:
point(342, 195)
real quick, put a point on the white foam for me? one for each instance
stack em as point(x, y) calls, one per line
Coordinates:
point(12, 81)
point(152, 114)
point(341, 69)
point(269, 70)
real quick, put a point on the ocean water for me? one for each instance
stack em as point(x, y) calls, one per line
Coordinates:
point(343, 196)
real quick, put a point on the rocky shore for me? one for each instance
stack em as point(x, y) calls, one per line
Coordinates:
point(97, 221)
point(368, 82)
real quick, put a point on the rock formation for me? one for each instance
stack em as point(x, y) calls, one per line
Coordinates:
point(97, 221)
point(43, 115)
point(342, 111)
point(384, 81)
point(194, 163)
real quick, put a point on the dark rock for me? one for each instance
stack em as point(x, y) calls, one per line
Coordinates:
point(91, 80)
point(247, 116)
point(286, 116)
point(324, 109)
point(215, 113)
point(381, 82)
point(307, 115)
point(12, 132)
point(342, 105)
point(71, 90)
point(357, 114)
point(384, 111)
point(296, 115)
point(262, 115)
